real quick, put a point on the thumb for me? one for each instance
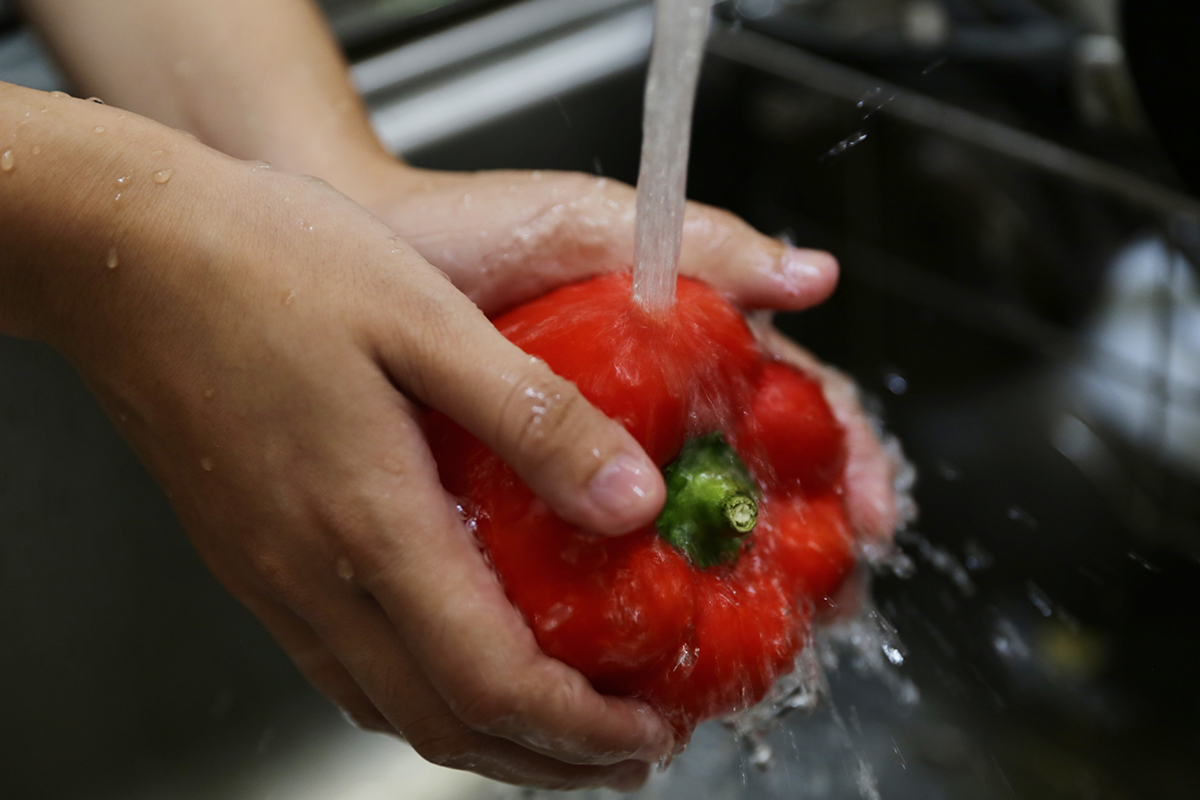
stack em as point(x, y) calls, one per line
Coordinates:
point(585, 466)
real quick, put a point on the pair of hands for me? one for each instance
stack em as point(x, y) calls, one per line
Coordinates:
point(268, 346)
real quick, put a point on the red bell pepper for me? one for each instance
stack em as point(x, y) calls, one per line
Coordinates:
point(700, 613)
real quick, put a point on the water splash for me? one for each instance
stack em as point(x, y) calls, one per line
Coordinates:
point(870, 104)
point(940, 559)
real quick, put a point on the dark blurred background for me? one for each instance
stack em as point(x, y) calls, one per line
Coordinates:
point(1019, 303)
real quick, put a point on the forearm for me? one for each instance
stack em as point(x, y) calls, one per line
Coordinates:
point(258, 80)
point(94, 203)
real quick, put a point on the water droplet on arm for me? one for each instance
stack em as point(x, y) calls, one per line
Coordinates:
point(206, 464)
point(163, 175)
point(98, 129)
point(110, 261)
point(37, 150)
point(8, 160)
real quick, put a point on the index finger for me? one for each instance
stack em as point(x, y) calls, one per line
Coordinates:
point(473, 645)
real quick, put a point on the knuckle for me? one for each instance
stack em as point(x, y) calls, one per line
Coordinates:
point(270, 567)
point(440, 740)
point(577, 202)
point(539, 415)
point(490, 710)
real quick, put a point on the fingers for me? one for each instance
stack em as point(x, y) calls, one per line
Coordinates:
point(364, 638)
point(437, 609)
point(317, 663)
point(870, 498)
point(374, 657)
point(424, 569)
point(755, 270)
point(586, 467)
point(506, 237)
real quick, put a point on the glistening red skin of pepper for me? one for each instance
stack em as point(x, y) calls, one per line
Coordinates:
point(632, 613)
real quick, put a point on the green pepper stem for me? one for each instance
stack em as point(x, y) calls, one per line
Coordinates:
point(712, 502)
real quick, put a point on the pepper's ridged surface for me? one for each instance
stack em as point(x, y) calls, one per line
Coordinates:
point(699, 634)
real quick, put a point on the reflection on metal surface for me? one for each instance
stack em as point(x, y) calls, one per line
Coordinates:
point(24, 62)
point(1162, 409)
point(350, 764)
point(570, 62)
point(763, 53)
point(496, 31)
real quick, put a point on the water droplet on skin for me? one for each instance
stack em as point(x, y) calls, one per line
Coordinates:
point(8, 160)
point(206, 464)
point(345, 570)
point(37, 150)
point(208, 393)
point(289, 298)
point(98, 129)
point(111, 260)
point(59, 95)
point(117, 197)
point(157, 153)
point(163, 175)
point(121, 181)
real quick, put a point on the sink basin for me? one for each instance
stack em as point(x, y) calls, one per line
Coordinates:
point(1021, 316)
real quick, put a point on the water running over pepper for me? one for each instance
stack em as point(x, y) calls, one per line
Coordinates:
point(680, 30)
point(701, 613)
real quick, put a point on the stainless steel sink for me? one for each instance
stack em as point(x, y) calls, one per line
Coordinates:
point(1020, 310)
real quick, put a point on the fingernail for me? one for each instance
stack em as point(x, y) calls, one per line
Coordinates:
point(655, 752)
point(801, 264)
point(661, 744)
point(629, 777)
point(625, 491)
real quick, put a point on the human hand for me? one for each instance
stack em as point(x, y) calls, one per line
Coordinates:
point(268, 348)
point(504, 237)
point(871, 504)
